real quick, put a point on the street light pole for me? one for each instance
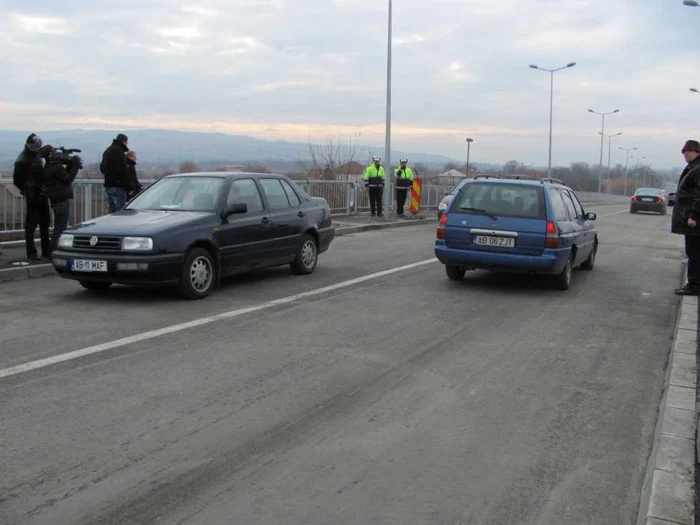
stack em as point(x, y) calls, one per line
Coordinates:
point(469, 143)
point(387, 143)
point(602, 136)
point(627, 162)
point(551, 106)
point(610, 137)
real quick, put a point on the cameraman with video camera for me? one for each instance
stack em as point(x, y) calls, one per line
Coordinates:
point(62, 167)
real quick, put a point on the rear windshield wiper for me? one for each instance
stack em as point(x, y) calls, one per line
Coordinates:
point(479, 210)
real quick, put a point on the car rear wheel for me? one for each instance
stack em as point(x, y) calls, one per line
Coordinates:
point(664, 211)
point(198, 274)
point(589, 263)
point(95, 286)
point(456, 273)
point(307, 256)
point(562, 281)
point(632, 210)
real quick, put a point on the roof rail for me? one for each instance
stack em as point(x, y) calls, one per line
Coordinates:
point(486, 177)
point(552, 180)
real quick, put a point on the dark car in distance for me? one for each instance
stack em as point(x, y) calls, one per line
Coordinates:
point(190, 230)
point(649, 199)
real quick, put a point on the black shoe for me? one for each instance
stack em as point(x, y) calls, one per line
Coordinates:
point(687, 290)
point(34, 258)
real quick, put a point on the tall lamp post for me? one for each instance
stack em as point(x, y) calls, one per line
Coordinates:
point(551, 106)
point(627, 162)
point(639, 159)
point(387, 140)
point(610, 137)
point(469, 143)
point(602, 136)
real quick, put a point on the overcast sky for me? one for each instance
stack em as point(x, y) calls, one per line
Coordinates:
point(307, 69)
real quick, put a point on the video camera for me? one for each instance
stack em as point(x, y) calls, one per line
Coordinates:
point(62, 155)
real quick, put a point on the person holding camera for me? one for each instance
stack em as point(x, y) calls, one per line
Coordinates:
point(28, 177)
point(59, 174)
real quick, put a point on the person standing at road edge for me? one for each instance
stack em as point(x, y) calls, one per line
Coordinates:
point(28, 177)
point(116, 171)
point(404, 183)
point(374, 179)
point(59, 177)
point(686, 214)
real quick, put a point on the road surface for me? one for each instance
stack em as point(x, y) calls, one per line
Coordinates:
point(364, 393)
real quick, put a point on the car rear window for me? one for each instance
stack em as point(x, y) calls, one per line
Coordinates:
point(648, 191)
point(501, 200)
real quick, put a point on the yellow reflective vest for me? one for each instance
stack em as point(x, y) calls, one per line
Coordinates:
point(374, 176)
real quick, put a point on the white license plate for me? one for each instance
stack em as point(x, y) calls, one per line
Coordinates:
point(649, 199)
point(492, 240)
point(84, 265)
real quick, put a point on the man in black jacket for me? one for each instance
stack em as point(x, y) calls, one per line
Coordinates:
point(58, 182)
point(686, 215)
point(116, 172)
point(28, 176)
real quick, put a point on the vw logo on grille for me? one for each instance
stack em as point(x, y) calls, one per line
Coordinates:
point(93, 241)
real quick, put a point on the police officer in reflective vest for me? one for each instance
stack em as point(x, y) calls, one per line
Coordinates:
point(374, 179)
point(404, 183)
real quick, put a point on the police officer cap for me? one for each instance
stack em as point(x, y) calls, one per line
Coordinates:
point(404, 160)
point(376, 159)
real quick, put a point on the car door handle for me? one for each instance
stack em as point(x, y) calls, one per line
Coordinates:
point(301, 214)
point(265, 220)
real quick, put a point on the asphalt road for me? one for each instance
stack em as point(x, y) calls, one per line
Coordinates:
point(401, 398)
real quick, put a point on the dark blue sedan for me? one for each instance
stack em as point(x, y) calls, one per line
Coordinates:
point(537, 227)
point(190, 230)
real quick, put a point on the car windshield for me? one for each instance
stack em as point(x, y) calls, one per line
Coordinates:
point(501, 200)
point(180, 194)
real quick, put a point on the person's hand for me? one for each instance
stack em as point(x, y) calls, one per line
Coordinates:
point(692, 223)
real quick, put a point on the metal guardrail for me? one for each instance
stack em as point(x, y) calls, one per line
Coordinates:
point(342, 196)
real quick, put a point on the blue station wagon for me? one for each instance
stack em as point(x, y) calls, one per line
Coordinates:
point(524, 226)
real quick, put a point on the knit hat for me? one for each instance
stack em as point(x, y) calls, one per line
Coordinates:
point(122, 138)
point(34, 142)
point(691, 145)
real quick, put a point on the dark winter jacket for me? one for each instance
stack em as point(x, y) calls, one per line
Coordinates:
point(687, 205)
point(114, 167)
point(134, 184)
point(28, 174)
point(58, 180)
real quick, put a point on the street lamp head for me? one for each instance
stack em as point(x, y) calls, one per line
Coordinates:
point(533, 66)
point(618, 134)
point(591, 111)
point(571, 64)
point(616, 111)
point(690, 3)
point(694, 90)
point(470, 140)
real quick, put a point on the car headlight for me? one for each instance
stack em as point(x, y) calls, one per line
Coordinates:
point(65, 241)
point(140, 244)
point(442, 206)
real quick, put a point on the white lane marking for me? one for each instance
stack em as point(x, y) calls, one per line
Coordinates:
point(614, 213)
point(152, 334)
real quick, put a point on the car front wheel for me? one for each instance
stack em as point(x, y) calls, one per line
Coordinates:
point(589, 263)
point(198, 274)
point(307, 256)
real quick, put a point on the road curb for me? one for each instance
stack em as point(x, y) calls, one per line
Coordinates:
point(22, 273)
point(339, 232)
point(668, 493)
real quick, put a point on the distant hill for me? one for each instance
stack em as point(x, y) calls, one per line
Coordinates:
point(172, 147)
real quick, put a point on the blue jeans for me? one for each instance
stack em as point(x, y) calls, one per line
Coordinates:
point(61, 210)
point(117, 199)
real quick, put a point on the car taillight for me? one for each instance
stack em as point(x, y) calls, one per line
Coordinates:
point(552, 240)
point(441, 227)
point(659, 200)
point(635, 198)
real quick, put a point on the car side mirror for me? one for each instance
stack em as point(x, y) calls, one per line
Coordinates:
point(236, 209)
point(591, 216)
